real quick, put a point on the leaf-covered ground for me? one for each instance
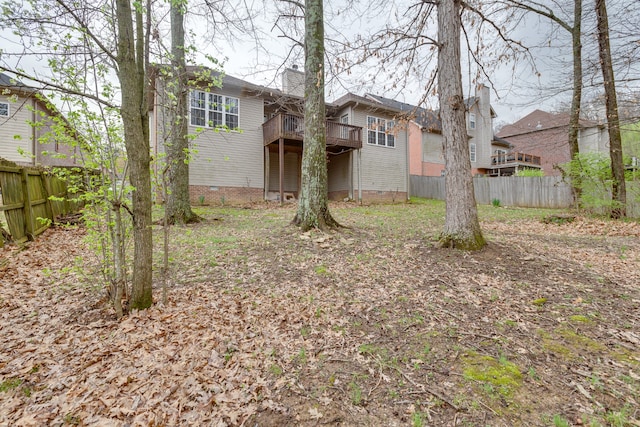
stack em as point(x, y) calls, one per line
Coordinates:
point(370, 326)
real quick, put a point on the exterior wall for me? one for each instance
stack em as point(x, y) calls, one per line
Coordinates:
point(224, 159)
point(338, 169)
point(550, 144)
point(427, 153)
point(415, 149)
point(212, 195)
point(384, 169)
point(594, 139)
point(433, 149)
point(482, 135)
point(16, 124)
point(44, 151)
point(291, 172)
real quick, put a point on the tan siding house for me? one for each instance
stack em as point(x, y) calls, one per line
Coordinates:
point(248, 144)
point(23, 143)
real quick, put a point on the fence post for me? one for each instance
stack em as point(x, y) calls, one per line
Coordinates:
point(28, 212)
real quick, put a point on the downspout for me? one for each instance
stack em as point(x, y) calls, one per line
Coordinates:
point(407, 171)
point(360, 175)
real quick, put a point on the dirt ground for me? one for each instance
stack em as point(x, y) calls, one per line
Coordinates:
point(370, 326)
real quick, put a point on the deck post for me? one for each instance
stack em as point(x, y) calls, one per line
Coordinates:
point(281, 166)
point(267, 171)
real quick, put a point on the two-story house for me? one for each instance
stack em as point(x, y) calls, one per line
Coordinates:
point(248, 142)
point(489, 155)
point(546, 135)
point(26, 122)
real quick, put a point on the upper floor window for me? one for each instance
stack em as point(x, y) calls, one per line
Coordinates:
point(472, 151)
point(212, 110)
point(4, 109)
point(472, 120)
point(380, 132)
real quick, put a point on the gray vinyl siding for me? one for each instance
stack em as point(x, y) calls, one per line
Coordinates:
point(432, 148)
point(383, 168)
point(228, 158)
point(338, 170)
point(16, 125)
point(291, 172)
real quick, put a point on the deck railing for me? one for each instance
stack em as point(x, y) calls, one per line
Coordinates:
point(515, 157)
point(290, 126)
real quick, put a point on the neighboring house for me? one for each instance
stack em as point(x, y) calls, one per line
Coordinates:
point(489, 155)
point(546, 135)
point(25, 125)
point(249, 143)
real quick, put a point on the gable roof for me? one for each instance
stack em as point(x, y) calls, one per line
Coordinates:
point(539, 120)
point(428, 120)
point(11, 83)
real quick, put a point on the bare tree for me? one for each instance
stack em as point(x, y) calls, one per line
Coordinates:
point(461, 228)
point(178, 203)
point(313, 205)
point(575, 30)
point(618, 189)
point(119, 42)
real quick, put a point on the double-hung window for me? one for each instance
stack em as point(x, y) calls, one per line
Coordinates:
point(214, 111)
point(4, 109)
point(472, 121)
point(380, 132)
point(472, 151)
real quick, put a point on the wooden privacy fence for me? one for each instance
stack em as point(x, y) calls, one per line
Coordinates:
point(530, 192)
point(31, 199)
point(523, 191)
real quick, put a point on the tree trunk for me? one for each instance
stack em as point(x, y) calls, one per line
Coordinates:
point(178, 201)
point(576, 100)
point(618, 189)
point(313, 204)
point(461, 228)
point(134, 109)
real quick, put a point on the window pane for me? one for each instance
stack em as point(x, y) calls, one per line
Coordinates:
point(4, 109)
point(371, 135)
point(197, 117)
point(216, 102)
point(371, 122)
point(198, 99)
point(232, 105)
point(232, 121)
point(215, 119)
point(381, 139)
point(391, 140)
point(381, 125)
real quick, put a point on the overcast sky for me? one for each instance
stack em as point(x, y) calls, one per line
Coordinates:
point(517, 88)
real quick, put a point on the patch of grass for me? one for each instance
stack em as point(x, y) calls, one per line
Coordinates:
point(619, 418)
point(355, 391)
point(276, 370)
point(321, 270)
point(495, 376)
point(539, 302)
point(578, 318)
point(419, 419)
point(559, 421)
point(10, 384)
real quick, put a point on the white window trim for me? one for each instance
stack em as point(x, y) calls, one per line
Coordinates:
point(472, 121)
point(8, 110)
point(388, 125)
point(208, 108)
point(473, 153)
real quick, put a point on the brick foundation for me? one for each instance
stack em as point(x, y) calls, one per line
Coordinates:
point(371, 196)
point(215, 195)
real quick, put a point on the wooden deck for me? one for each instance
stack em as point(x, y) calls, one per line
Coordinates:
point(515, 159)
point(291, 128)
